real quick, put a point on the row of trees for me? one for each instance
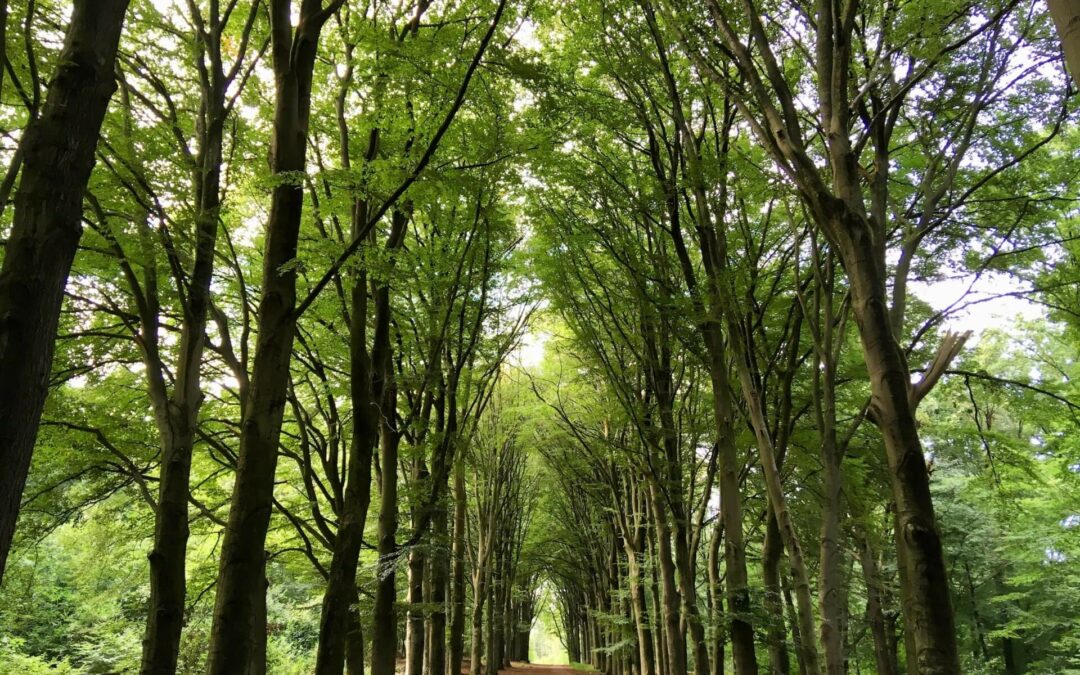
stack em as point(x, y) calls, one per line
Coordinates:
point(345, 306)
point(757, 196)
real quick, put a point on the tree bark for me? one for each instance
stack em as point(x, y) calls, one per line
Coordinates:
point(669, 594)
point(414, 627)
point(384, 640)
point(776, 634)
point(884, 655)
point(457, 604)
point(716, 600)
point(58, 156)
point(177, 417)
point(1066, 15)
point(240, 586)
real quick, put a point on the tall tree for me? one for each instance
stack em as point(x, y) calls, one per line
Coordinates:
point(241, 587)
point(57, 154)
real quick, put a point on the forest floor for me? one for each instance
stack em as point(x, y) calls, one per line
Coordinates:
point(519, 668)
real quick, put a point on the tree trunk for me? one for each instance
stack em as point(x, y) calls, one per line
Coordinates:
point(689, 599)
point(737, 583)
point(414, 628)
point(178, 417)
point(354, 638)
point(457, 622)
point(884, 655)
point(716, 601)
point(440, 570)
point(928, 610)
point(831, 584)
point(58, 156)
point(1066, 14)
point(776, 636)
point(669, 595)
point(240, 585)
point(384, 616)
point(646, 657)
point(368, 374)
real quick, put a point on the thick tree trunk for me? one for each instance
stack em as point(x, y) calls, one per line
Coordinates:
point(1066, 14)
point(58, 156)
point(240, 585)
point(928, 610)
point(354, 638)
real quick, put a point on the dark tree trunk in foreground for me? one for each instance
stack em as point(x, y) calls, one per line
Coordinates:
point(58, 155)
point(240, 587)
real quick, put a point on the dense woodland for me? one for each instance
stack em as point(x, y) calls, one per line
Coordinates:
point(364, 336)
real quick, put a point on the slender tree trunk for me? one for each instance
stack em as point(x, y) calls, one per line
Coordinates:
point(660, 626)
point(494, 631)
point(480, 596)
point(676, 645)
point(367, 383)
point(646, 657)
point(832, 596)
point(884, 654)
point(240, 586)
point(58, 156)
point(689, 600)
point(737, 579)
point(716, 600)
point(384, 639)
point(414, 628)
point(440, 570)
point(778, 506)
point(779, 661)
point(178, 417)
point(457, 622)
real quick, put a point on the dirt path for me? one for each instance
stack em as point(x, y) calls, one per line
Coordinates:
point(537, 669)
point(521, 668)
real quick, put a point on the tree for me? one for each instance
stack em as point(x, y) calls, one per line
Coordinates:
point(45, 234)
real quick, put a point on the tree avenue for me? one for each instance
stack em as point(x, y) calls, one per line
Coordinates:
point(631, 336)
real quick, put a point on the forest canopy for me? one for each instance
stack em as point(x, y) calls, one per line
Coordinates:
point(633, 336)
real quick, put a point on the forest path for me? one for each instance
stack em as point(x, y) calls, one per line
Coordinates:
point(520, 668)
